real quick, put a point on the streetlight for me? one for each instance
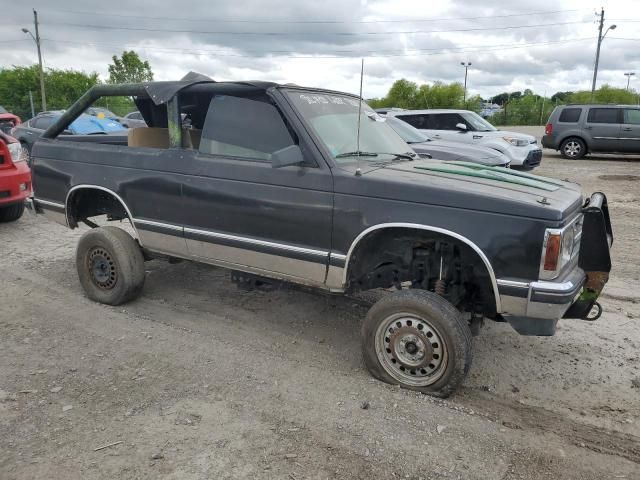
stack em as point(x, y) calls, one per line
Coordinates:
point(600, 38)
point(466, 68)
point(36, 39)
point(629, 75)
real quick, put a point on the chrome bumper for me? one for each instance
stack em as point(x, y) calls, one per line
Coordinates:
point(533, 308)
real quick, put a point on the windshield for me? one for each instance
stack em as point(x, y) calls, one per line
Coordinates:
point(334, 118)
point(408, 133)
point(478, 123)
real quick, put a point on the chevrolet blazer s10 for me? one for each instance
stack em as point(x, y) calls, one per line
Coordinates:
point(307, 186)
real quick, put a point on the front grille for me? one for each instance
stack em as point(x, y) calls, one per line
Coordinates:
point(534, 158)
point(5, 194)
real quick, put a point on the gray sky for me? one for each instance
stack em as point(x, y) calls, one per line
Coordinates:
point(545, 45)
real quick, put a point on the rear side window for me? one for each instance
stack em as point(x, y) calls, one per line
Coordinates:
point(570, 115)
point(420, 121)
point(243, 128)
point(603, 115)
point(632, 116)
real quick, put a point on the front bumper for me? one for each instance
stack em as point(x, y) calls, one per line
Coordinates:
point(533, 308)
point(15, 184)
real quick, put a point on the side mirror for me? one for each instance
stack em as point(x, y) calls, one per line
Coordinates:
point(462, 127)
point(291, 155)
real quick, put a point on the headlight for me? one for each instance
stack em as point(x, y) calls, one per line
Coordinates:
point(559, 247)
point(15, 149)
point(516, 142)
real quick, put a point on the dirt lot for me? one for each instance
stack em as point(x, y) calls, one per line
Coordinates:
point(197, 379)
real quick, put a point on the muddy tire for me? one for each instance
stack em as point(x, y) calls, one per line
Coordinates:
point(110, 265)
point(418, 340)
point(11, 213)
point(573, 148)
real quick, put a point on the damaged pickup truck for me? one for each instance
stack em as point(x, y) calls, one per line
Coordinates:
point(280, 183)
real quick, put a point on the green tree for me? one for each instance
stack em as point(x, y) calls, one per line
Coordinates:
point(129, 68)
point(605, 94)
point(63, 88)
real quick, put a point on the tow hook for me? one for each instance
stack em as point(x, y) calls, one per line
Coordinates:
point(594, 313)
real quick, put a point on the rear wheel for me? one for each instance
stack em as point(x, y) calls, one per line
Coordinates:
point(110, 265)
point(418, 340)
point(11, 213)
point(573, 148)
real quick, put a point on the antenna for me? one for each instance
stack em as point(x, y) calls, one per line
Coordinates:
point(358, 172)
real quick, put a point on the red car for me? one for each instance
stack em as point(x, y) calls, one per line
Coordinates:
point(15, 179)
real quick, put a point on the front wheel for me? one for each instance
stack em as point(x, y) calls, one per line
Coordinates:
point(110, 265)
point(573, 148)
point(418, 340)
point(11, 213)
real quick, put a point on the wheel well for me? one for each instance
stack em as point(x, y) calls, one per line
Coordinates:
point(569, 137)
point(85, 203)
point(428, 260)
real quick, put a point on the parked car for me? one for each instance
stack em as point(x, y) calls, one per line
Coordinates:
point(464, 126)
point(443, 150)
point(281, 183)
point(28, 132)
point(15, 179)
point(126, 121)
point(576, 130)
point(8, 120)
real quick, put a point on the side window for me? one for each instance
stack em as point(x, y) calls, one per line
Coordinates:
point(632, 116)
point(570, 115)
point(448, 121)
point(603, 115)
point(42, 122)
point(243, 128)
point(416, 121)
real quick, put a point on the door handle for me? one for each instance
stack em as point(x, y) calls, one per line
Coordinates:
point(477, 137)
point(628, 129)
point(435, 135)
point(588, 128)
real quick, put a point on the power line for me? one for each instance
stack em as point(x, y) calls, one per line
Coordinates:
point(283, 34)
point(408, 20)
point(369, 53)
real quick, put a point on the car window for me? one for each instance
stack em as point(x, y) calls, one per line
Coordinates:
point(135, 116)
point(448, 121)
point(570, 115)
point(42, 122)
point(603, 115)
point(243, 128)
point(420, 121)
point(632, 116)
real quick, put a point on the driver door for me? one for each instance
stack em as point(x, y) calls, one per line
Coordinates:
point(240, 211)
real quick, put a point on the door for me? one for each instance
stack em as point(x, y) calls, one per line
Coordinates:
point(241, 212)
point(445, 126)
point(630, 135)
point(602, 129)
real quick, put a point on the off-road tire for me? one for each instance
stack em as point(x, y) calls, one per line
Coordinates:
point(11, 213)
point(573, 148)
point(435, 311)
point(110, 265)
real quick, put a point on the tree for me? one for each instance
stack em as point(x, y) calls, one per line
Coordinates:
point(63, 87)
point(129, 68)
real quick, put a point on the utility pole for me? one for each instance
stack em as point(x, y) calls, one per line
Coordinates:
point(629, 75)
point(36, 39)
point(466, 68)
point(33, 111)
point(600, 38)
point(42, 92)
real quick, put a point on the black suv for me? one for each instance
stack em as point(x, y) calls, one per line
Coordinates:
point(280, 183)
point(576, 130)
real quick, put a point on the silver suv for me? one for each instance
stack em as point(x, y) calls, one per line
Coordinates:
point(576, 130)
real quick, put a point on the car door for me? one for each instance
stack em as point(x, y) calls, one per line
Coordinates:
point(603, 126)
point(240, 211)
point(444, 125)
point(34, 128)
point(630, 134)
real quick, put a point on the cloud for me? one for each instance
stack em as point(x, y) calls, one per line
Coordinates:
point(321, 43)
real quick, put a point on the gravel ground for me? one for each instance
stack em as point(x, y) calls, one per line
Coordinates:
point(197, 379)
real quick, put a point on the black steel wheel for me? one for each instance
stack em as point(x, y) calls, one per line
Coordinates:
point(418, 340)
point(110, 265)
